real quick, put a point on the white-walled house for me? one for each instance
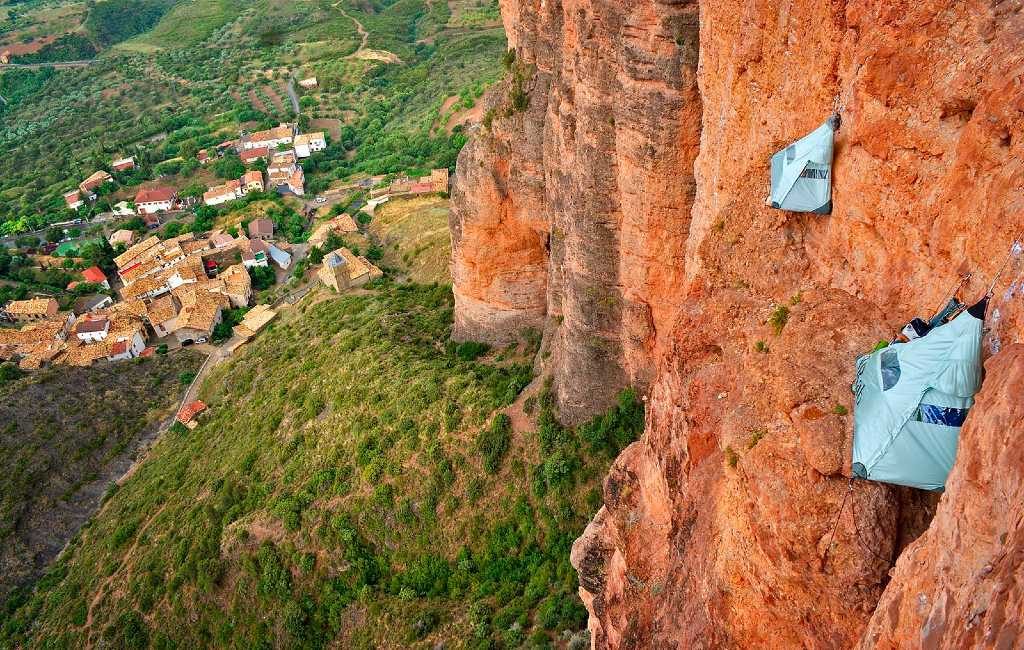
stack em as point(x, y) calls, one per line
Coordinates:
point(128, 348)
point(158, 199)
point(73, 199)
point(307, 144)
point(92, 330)
point(271, 138)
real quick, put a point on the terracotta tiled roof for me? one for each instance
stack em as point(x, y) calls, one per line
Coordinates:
point(250, 155)
point(40, 332)
point(277, 133)
point(85, 354)
point(155, 194)
point(94, 274)
point(32, 307)
point(91, 326)
point(95, 180)
point(254, 320)
point(162, 309)
point(236, 280)
point(199, 307)
point(309, 138)
point(190, 411)
point(137, 250)
point(261, 227)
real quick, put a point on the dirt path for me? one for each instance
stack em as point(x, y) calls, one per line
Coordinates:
point(359, 28)
point(101, 590)
point(363, 52)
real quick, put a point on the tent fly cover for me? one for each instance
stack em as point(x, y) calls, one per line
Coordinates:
point(801, 174)
point(911, 400)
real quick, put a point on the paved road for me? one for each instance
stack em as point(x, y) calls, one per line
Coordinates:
point(292, 95)
point(49, 64)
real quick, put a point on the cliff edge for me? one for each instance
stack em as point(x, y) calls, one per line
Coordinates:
point(614, 200)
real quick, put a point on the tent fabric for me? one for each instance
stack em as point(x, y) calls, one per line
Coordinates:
point(801, 174)
point(910, 402)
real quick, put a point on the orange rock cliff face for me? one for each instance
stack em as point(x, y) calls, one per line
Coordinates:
point(614, 200)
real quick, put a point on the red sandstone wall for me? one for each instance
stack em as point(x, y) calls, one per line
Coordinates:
point(647, 174)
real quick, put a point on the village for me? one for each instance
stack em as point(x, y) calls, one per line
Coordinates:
point(179, 291)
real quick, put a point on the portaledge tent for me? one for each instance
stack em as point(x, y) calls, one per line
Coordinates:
point(802, 172)
point(911, 400)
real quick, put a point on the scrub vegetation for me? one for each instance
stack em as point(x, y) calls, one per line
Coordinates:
point(355, 483)
point(65, 433)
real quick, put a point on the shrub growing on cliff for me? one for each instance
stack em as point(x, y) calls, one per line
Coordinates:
point(471, 350)
point(613, 431)
point(508, 58)
point(779, 318)
point(731, 457)
point(493, 442)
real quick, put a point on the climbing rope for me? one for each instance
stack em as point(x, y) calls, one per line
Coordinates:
point(835, 526)
point(856, 529)
point(1015, 249)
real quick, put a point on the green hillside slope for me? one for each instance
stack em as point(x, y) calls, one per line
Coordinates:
point(65, 435)
point(355, 483)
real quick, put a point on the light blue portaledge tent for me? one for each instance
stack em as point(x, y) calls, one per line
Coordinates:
point(801, 174)
point(911, 400)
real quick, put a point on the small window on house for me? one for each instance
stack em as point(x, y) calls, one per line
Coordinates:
point(890, 369)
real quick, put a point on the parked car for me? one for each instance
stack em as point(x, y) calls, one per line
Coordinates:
point(321, 199)
point(201, 340)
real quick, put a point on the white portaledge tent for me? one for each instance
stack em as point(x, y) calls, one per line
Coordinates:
point(911, 400)
point(802, 172)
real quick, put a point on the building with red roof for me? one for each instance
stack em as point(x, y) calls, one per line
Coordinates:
point(96, 275)
point(189, 412)
point(250, 156)
point(155, 199)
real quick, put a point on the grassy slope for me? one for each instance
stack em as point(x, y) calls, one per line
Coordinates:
point(413, 233)
point(335, 496)
point(186, 25)
point(65, 432)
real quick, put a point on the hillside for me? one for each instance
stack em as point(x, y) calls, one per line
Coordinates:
point(182, 76)
point(67, 434)
point(414, 237)
point(351, 486)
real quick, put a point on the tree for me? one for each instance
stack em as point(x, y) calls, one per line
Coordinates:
point(98, 253)
point(173, 229)
point(229, 167)
point(195, 189)
point(263, 277)
point(54, 234)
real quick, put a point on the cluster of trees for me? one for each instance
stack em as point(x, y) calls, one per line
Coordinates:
point(114, 21)
point(69, 47)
